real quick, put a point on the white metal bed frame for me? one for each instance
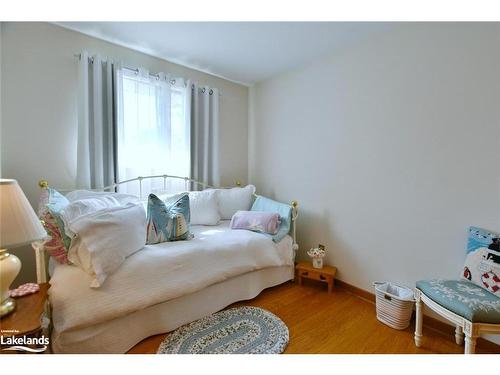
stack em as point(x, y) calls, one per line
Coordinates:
point(41, 256)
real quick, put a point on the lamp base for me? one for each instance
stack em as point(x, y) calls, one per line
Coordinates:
point(7, 307)
point(10, 265)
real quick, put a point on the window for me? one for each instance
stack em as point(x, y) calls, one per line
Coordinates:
point(152, 131)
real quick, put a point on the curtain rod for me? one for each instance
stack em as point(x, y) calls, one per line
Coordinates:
point(157, 75)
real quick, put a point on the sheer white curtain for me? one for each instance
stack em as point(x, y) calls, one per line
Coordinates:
point(152, 136)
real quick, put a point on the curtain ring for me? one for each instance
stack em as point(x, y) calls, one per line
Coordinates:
point(211, 92)
point(203, 90)
point(172, 81)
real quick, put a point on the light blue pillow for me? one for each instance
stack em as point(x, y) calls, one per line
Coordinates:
point(284, 210)
point(167, 222)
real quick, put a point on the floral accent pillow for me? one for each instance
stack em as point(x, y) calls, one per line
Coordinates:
point(482, 265)
point(167, 222)
point(58, 243)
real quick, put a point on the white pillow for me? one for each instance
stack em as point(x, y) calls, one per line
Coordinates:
point(235, 199)
point(105, 238)
point(86, 194)
point(204, 208)
point(92, 203)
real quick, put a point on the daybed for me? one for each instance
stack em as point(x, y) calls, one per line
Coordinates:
point(163, 286)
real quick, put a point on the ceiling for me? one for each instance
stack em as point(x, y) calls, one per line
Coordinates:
point(243, 52)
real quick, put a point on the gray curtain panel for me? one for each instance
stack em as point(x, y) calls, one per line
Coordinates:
point(203, 113)
point(96, 123)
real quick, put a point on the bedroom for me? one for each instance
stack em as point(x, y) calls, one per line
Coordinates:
point(373, 146)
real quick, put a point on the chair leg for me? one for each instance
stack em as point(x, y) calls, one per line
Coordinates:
point(459, 335)
point(470, 344)
point(419, 319)
point(471, 335)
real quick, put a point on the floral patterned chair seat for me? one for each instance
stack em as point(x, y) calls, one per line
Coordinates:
point(463, 298)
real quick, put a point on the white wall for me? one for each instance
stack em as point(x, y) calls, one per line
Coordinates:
point(39, 116)
point(391, 147)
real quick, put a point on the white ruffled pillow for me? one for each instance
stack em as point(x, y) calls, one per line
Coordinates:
point(204, 207)
point(235, 199)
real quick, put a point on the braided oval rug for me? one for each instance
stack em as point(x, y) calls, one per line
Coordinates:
point(240, 330)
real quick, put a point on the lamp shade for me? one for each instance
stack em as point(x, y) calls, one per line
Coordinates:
point(19, 224)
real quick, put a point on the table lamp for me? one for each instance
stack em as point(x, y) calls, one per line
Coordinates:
point(19, 226)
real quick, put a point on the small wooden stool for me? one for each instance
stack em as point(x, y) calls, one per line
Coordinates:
point(325, 274)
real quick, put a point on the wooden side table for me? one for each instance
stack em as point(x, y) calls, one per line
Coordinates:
point(26, 320)
point(325, 274)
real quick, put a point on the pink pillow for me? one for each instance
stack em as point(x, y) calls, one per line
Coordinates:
point(258, 221)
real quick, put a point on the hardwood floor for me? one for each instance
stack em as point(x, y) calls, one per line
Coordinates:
point(337, 323)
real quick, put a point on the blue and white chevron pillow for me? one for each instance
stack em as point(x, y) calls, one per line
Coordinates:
point(168, 222)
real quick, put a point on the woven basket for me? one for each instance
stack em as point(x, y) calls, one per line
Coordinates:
point(394, 304)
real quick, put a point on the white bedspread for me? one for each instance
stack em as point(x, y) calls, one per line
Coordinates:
point(162, 272)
